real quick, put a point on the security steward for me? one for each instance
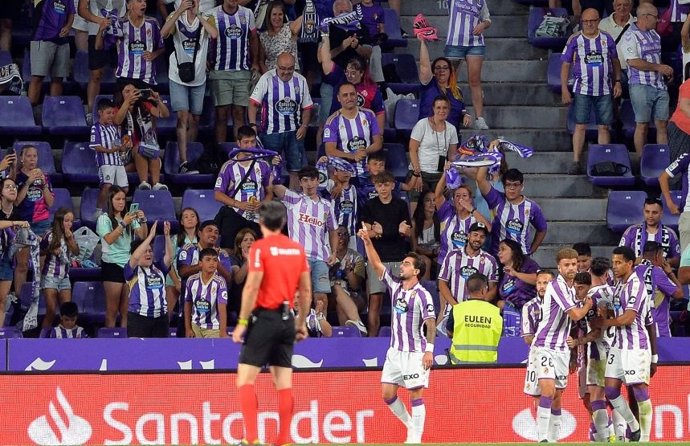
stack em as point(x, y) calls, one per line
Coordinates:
point(475, 325)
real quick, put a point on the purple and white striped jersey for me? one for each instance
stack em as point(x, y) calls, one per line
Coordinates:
point(636, 236)
point(345, 205)
point(309, 222)
point(660, 289)
point(259, 178)
point(351, 135)
point(454, 231)
point(602, 296)
point(281, 102)
point(644, 45)
point(513, 221)
point(55, 265)
point(531, 315)
point(410, 308)
point(131, 47)
point(632, 295)
point(554, 328)
point(205, 298)
point(230, 51)
point(147, 290)
point(61, 332)
point(106, 136)
point(592, 62)
point(464, 16)
point(458, 266)
point(103, 8)
point(681, 166)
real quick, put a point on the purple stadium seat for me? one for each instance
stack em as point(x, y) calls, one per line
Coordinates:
point(406, 114)
point(17, 117)
point(158, 205)
point(87, 207)
point(90, 298)
point(617, 153)
point(64, 115)
point(10, 332)
point(535, 18)
point(203, 201)
point(396, 160)
point(5, 58)
point(592, 132)
point(167, 126)
point(111, 332)
point(385, 332)
point(63, 200)
point(79, 163)
point(406, 68)
point(553, 73)
point(391, 27)
point(171, 165)
point(346, 332)
point(46, 160)
point(667, 218)
point(624, 208)
point(158, 248)
point(655, 159)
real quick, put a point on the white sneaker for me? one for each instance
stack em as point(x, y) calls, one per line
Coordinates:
point(360, 326)
point(480, 124)
point(160, 186)
point(144, 186)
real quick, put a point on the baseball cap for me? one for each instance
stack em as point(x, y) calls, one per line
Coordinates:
point(478, 226)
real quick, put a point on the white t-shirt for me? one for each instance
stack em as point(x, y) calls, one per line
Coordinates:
point(432, 145)
point(609, 26)
point(204, 5)
point(183, 39)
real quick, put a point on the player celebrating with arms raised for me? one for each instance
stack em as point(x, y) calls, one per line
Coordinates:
point(411, 354)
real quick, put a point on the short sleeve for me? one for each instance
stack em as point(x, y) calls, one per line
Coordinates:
point(426, 304)
point(377, 103)
point(526, 321)
point(636, 296)
point(444, 272)
point(184, 258)
point(560, 296)
point(331, 222)
point(630, 46)
point(674, 245)
point(261, 88)
point(419, 130)
point(252, 20)
point(537, 218)
point(291, 197)
point(453, 137)
point(95, 139)
point(678, 166)
point(493, 273)
point(103, 226)
point(223, 180)
point(569, 50)
point(256, 261)
point(188, 297)
point(494, 198)
point(374, 124)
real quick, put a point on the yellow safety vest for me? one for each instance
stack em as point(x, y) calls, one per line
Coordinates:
point(476, 332)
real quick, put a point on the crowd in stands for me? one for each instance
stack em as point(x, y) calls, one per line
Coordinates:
point(259, 63)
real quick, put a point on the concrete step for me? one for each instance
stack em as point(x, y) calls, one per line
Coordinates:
point(501, 26)
point(567, 233)
point(573, 209)
point(540, 162)
point(440, 8)
point(546, 254)
point(542, 140)
point(497, 48)
point(520, 117)
point(513, 93)
point(561, 186)
point(510, 71)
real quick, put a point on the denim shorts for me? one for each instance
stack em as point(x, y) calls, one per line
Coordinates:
point(6, 270)
point(41, 227)
point(320, 283)
point(55, 283)
point(288, 146)
point(649, 103)
point(460, 51)
point(183, 98)
point(603, 108)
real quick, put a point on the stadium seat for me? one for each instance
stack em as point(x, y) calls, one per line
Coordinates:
point(391, 27)
point(346, 332)
point(406, 114)
point(158, 205)
point(5, 58)
point(87, 207)
point(655, 159)
point(158, 248)
point(203, 201)
point(46, 160)
point(536, 16)
point(171, 165)
point(553, 73)
point(403, 69)
point(90, 298)
point(617, 153)
point(17, 117)
point(396, 160)
point(167, 126)
point(79, 163)
point(63, 199)
point(624, 208)
point(112, 332)
point(64, 115)
point(667, 218)
point(385, 332)
point(10, 332)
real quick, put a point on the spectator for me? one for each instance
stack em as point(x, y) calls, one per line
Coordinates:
point(426, 228)
point(681, 165)
point(475, 325)
point(112, 153)
point(10, 12)
point(68, 328)
point(49, 46)
point(347, 276)
point(187, 71)
point(81, 30)
point(376, 164)
point(467, 21)
point(279, 36)
point(386, 219)
point(206, 298)
point(311, 222)
point(440, 79)
point(344, 40)
point(658, 274)
point(189, 234)
point(137, 114)
point(636, 236)
point(58, 246)
point(240, 256)
point(98, 16)
point(232, 56)
point(9, 220)
point(514, 212)
point(593, 55)
point(433, 141)
point(352, 133)
point(34, 199)
point(615, 25)
point(242, 185)
point(679, 127)
point(117, 229)
point(373, 19)
point(518, 275)
point(341, 192)
point(283, 96)
point(647, 76)
point(147, 314)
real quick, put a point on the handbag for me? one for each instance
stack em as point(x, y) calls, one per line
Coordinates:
point(609, 169)
point(187, 70)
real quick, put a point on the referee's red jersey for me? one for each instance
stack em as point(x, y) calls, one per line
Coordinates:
point(282, 261)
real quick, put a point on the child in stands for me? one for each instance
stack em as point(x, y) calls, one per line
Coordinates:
point(68, 328)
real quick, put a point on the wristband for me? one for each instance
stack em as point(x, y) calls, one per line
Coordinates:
point(415, 174)
point(122, 224)
point(473, 210)
point(655, 359)
point(429, 348)
point(243, 322)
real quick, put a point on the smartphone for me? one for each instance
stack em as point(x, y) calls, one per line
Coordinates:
point(133, 207)
point(145, 93)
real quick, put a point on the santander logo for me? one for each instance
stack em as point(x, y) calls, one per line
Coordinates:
point(525, 425)
point(61, 427)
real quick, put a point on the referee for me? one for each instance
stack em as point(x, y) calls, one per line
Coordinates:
point(277, 270)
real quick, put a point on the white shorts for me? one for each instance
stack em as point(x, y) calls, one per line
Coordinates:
point(79, 23)
point(552, 364)
point(531, 384)
point(596, 368)
point(405, 369)
point(630, 366)
point(115, 175)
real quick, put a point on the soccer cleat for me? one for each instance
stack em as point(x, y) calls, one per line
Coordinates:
point(635, 436)
point(422, 29)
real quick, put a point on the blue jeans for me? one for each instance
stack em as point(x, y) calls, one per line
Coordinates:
point(288, 146)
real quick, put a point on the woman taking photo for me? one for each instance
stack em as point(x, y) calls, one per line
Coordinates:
point(117, 229)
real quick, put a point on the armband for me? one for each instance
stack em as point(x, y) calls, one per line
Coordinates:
point(655, 359)
point(429, 348)
point(242, 322)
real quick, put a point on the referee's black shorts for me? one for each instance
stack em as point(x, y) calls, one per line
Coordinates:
point(269, 339)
